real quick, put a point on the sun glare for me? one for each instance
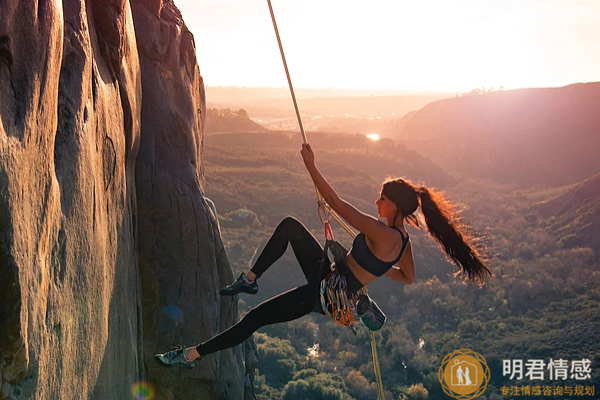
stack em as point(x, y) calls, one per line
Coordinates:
point(513, 44)
point(373, 136)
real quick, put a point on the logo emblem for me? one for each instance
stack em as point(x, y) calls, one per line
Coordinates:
point(464, 374)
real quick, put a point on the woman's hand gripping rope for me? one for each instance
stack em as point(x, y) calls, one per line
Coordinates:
point(307, 156)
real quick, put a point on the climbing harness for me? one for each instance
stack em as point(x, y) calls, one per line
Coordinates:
point(337, 299)
point(343, 304)
point(342, 297)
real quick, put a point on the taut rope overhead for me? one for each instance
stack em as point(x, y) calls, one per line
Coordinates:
point(325, 212)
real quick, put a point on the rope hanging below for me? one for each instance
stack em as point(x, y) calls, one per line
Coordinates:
point(325, 212)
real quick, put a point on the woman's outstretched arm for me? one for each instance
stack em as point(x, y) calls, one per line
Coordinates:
point(359, 220)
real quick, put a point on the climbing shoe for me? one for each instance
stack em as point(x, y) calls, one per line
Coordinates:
point(175, 358)
point(241, 284)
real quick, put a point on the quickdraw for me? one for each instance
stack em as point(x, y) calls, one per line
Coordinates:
point(337, 300)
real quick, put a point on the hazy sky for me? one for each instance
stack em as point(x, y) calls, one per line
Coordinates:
point(429, 45)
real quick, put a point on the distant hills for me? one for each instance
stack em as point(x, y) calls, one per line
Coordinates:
point(348, 111)
point(226, 120)
point(382, 106)
point(237, 94)
point(263, 164)
point(527, 137)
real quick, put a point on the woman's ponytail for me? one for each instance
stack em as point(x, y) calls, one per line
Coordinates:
point(440, 218)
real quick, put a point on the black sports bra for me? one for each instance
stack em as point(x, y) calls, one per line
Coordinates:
point(366, 259)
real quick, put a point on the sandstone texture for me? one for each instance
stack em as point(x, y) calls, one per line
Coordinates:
point(183, 262)
point(109, 251)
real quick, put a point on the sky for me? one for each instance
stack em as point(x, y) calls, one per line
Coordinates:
point(399, 45)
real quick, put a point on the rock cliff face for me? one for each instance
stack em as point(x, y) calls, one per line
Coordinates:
point(182, 260)
point(69, 137)
point(77, 103)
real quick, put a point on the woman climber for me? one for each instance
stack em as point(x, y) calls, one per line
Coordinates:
point(379, 249)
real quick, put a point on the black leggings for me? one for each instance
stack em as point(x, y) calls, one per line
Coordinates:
point(288, 306)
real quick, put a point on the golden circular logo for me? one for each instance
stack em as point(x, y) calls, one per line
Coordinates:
point(464, 374)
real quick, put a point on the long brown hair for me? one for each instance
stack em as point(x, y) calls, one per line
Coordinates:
point(441, 219)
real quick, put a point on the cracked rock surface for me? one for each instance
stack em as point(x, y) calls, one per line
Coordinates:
point(109, 251)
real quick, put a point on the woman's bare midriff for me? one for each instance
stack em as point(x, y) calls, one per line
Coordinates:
point(359, 272)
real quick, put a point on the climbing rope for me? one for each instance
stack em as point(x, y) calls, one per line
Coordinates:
point(325, 214)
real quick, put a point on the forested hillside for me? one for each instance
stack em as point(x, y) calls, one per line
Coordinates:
point(575, 215)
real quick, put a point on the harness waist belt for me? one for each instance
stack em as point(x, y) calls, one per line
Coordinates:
point(353, 283)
